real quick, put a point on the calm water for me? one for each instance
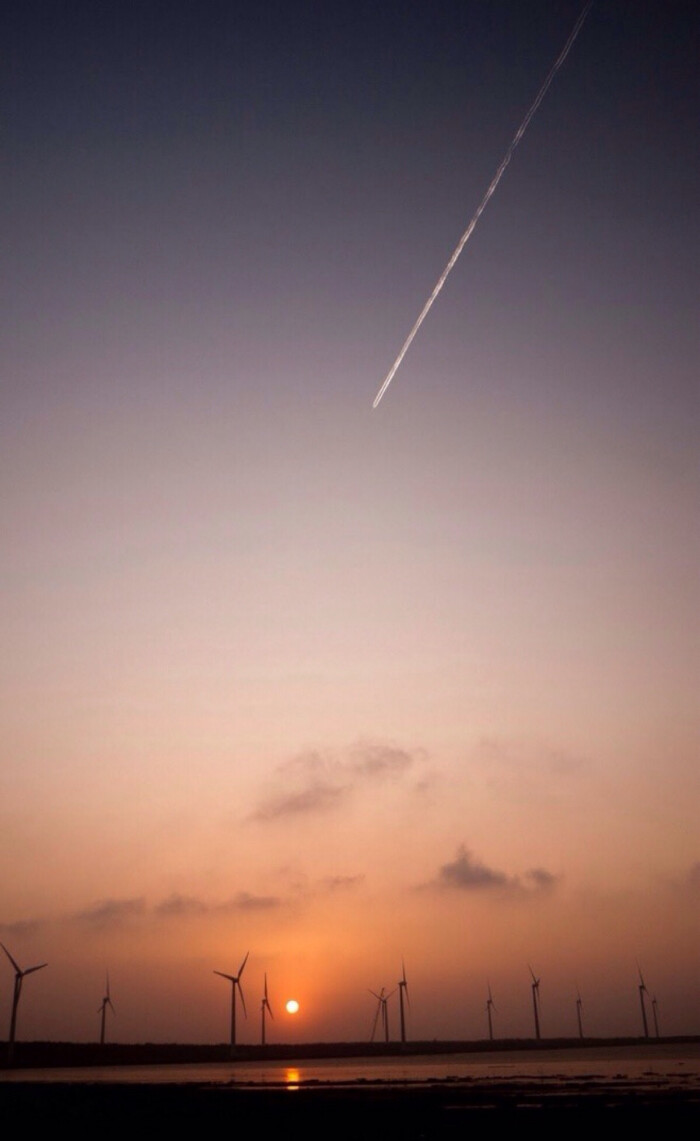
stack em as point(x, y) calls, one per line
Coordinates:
point(646, 1064)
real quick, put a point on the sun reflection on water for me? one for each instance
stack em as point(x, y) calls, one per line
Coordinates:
point(291, 1077)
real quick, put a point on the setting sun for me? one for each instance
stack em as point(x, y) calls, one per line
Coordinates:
point(292, 1006)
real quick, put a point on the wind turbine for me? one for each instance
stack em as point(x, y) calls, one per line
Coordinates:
point(235, 982)
point(19, 978)
point(642, 991)
point(579, 1005)
point(106, 1001)
point(490, 1005)
point(382, 1000)
point(265, 1008)
point(536, 1001)
point(655, 1012)
point(403, 990)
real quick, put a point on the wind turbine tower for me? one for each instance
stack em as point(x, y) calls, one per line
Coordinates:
point(106, 1002)
point(490, 1006)
point(20, 975)
point(403, 992)
point(579, 1019)
point(535, 985)
point(642, 991)
point(382, 1000)
point(655, 1012)
point(265, 1008)
point(235, 981)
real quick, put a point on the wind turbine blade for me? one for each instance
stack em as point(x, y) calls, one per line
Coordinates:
point(387, 996)
point(378, 996)
point(403, 973)
point(240, 991)
point(30, 970)
point(532, 973)
point(14, 964)
point(265, 987)
point(112, 1005)
point(223, 976)
point(240, 969)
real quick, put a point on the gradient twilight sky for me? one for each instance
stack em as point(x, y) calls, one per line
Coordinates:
point(285, 674)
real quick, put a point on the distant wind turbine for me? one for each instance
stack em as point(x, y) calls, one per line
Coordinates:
point(106, 1002)
point(579, 1005)
point(382, 1000)
point(403, 992)
point(642, 991)
point(20, 975)
point(490, 1005)
point(235, 981)
point(265, 1008)
point(536, 1002)
point(655, 1012)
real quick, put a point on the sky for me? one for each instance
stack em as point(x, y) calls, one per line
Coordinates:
point(288, 675)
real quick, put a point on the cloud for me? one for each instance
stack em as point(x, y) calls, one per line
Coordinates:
point(375, 762)
point(315, 798)
point(468, 874)
point(320, 781)
point(246, 902)
point(111, 912)
point(541, 879)
point(465, 873)
point(177, 906)
point(22, 927)
point(341, 883)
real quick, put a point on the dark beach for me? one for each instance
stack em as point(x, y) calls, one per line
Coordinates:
point(436, 1107)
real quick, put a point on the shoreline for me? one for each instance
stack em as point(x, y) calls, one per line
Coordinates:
point(58, 1055)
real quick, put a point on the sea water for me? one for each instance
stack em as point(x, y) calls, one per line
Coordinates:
point(646, 1064)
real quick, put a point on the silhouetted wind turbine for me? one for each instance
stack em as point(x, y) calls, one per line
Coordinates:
point(235, 983)
point(265, 1008)
point(106, 1001)
point(642, 991)
point(536, 1001)
point(490, 1005)
point(579, 1004)
point(655, 1012)
point(382, 1000)
point(20, 975)
point(403, 990)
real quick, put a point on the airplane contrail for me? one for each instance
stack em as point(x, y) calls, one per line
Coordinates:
point(485, 200)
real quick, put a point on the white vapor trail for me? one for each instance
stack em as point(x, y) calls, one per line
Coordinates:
point(485, 200)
